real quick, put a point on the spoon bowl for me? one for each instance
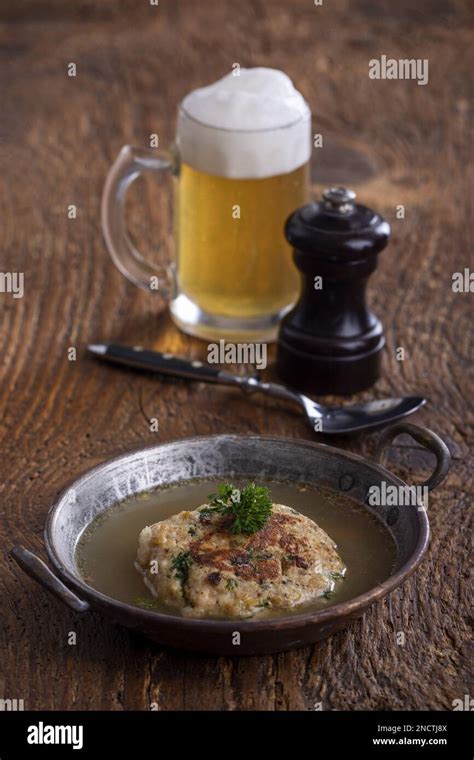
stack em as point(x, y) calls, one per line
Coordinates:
point(369, 414)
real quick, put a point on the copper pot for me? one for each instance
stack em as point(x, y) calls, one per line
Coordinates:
point(253, 457)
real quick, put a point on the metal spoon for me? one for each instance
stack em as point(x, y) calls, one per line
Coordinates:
point(322, 419)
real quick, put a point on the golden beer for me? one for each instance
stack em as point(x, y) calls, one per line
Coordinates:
point(240, 166)
point(232, 256)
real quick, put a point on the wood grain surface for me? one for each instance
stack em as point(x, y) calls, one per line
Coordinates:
point(394, 142)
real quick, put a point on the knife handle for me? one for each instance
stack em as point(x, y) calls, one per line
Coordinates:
point(166, 364)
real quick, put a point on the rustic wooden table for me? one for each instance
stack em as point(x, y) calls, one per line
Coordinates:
point(396, 143)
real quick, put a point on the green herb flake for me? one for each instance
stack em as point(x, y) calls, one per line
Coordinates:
point(231, 584)
point(337, 576)
point(181, 564)
point(249, 507)
point(146, 604)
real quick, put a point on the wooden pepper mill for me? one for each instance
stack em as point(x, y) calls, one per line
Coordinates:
point(330, 343)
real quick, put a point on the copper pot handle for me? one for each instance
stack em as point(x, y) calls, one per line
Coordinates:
point(426, 438)
point(41, 573)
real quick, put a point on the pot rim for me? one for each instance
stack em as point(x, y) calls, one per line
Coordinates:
point(333, 613)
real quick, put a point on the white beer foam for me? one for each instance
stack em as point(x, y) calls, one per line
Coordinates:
point(249, 126)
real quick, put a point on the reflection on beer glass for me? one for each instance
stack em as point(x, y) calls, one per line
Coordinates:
point(241, 167)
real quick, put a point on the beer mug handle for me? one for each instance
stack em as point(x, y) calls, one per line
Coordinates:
point(130, 163)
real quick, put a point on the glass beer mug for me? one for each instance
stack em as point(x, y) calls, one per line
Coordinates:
point(240, 167)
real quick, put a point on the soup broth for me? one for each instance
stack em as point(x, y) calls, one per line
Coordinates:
point(107, 549)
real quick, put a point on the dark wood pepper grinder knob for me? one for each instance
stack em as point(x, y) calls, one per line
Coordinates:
point(330, 343)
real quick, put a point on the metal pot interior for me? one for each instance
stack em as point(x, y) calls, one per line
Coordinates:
point(255, 457)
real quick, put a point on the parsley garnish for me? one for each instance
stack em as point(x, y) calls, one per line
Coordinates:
point(249, 507)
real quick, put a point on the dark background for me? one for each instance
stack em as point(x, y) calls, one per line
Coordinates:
point(394, 142)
